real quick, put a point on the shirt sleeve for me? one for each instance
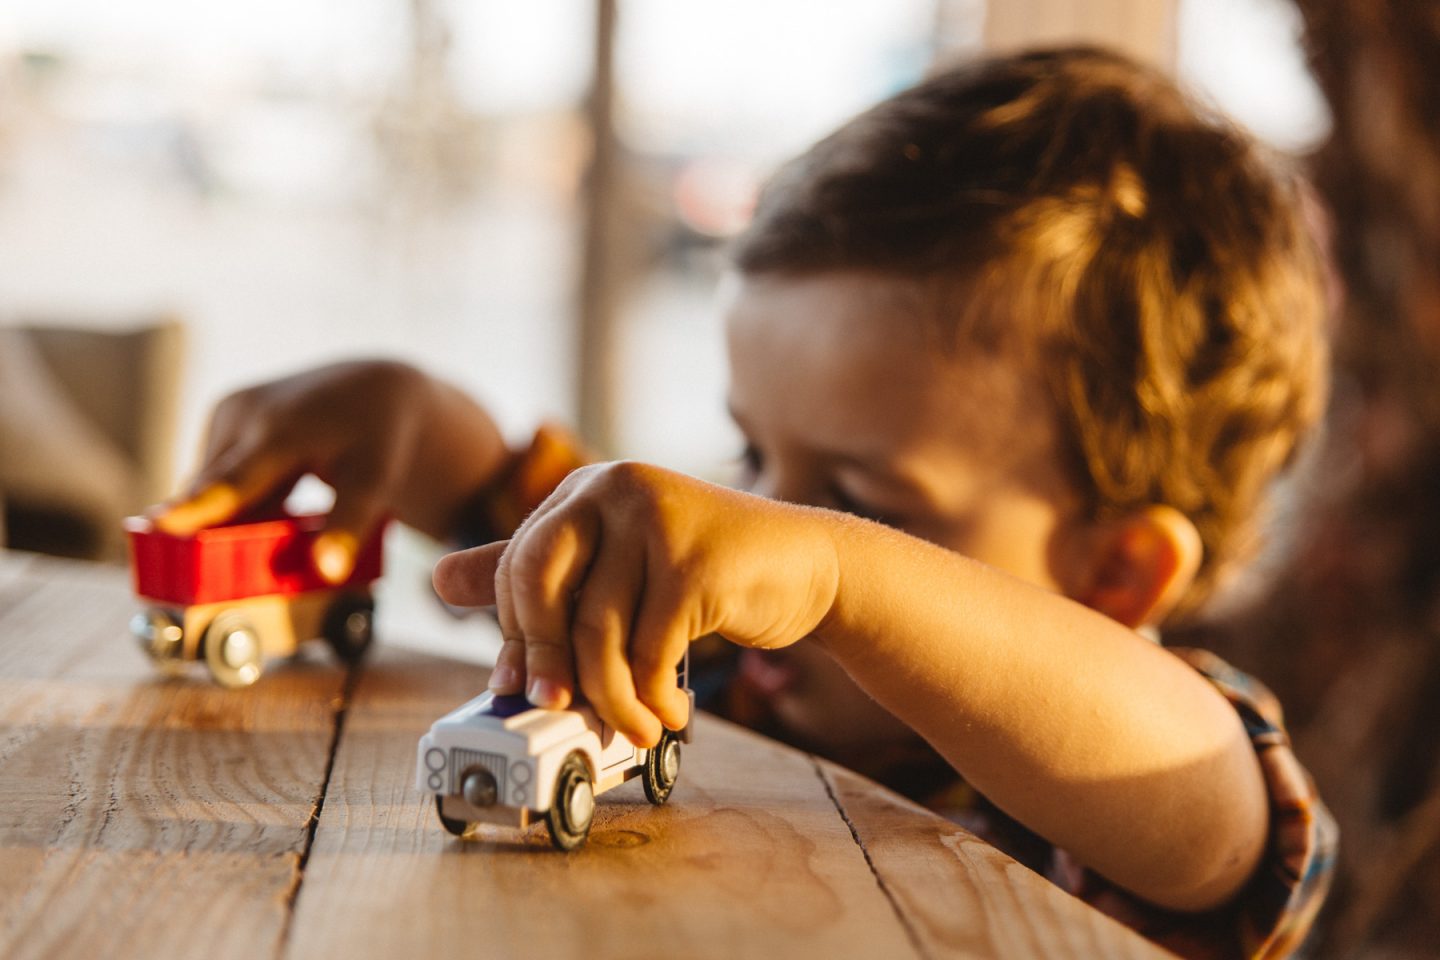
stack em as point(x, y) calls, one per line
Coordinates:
point(1279, 905)
point(530, 477)
point(1271, 917)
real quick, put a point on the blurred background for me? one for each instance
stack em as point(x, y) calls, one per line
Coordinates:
point(529, 199)
point(532, 199)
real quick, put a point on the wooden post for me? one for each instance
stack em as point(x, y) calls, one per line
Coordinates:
point(597, 355)
point(1145, 29)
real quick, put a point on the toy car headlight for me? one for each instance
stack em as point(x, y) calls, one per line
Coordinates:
point(520, 774)
point(478, 787)
point(435, 763)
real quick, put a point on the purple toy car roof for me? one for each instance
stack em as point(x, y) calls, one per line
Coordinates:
point(507, 705)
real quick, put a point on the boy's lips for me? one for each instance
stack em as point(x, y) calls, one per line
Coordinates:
point(769, 674)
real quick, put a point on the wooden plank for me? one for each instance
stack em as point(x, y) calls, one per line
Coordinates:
point(141, 816)
point(755, 864)
point(146, 817)
point(962, 897)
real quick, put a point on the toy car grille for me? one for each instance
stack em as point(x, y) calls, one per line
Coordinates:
point(462, 760)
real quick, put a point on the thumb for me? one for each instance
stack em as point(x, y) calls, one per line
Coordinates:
point(349, 525)
point(467, 578)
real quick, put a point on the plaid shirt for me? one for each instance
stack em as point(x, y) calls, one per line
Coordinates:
point(1268, 920)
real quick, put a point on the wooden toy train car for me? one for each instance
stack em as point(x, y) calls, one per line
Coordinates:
point(234, 595)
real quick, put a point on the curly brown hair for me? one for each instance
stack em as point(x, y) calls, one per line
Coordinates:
point(1152, 259)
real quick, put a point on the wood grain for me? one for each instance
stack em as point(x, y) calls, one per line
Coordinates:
point(749, 858)
point(142, 817)
point(139, 816)
point(962, 897)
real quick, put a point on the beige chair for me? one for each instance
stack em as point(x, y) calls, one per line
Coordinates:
point(87, 426)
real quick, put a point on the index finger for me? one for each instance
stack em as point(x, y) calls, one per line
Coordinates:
point(241, 478)
point(466, 578)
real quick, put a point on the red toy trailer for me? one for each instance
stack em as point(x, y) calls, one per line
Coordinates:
point(234, 595)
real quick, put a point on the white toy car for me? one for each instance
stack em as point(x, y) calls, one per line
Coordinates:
point(497, 759)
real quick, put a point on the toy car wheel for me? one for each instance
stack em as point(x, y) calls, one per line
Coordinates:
point(573, 808)
point(162, 639)
point(451, 825)
point(232, 650)
point(662, 768)
point(349, 626)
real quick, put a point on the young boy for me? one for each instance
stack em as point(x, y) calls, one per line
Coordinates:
point(1016, 354)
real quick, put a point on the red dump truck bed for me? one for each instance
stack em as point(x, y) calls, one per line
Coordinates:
point(236, 561)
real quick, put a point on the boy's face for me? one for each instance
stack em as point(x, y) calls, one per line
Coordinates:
point(848, 400)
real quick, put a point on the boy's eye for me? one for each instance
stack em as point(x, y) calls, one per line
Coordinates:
point(750, 462)
point(846, 503)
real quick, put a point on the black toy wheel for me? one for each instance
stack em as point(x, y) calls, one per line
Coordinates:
point(573, 808)
point(662, 768)
point(451, 825)
point(349, 626)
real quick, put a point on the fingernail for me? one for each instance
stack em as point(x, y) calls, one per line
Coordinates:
point(544, 692)
point(333, 554)
point(214, 503)
point(503, 677)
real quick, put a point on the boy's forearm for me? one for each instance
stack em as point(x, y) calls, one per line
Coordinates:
point(1095, 738)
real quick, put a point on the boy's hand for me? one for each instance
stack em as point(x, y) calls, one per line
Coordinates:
point(387, 437)
point(621, 568)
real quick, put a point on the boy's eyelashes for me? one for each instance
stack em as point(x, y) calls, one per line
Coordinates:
point(846, 503)
point(748, 465)
point(751, 462)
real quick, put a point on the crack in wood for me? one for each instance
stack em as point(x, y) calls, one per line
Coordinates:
point(74, 802)
point(910, 932)
point(111, 809)
point(312, 824)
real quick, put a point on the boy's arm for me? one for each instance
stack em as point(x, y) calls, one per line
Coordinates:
point(1095, 738)
point(1105, 744)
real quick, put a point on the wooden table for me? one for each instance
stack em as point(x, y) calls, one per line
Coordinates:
point(144, 817)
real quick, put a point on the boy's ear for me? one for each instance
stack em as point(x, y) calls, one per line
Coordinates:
point(1137, 567)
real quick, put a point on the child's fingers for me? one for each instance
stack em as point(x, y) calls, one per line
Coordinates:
point(211, 504)
point(549, 660)
point(334, 550)
point(543, 568)
point(466, 578)
point(243, 476)
point(658, 642)
point(362, 494)
point(658, 690)
point(549, 672)
point(508, 675)
point(488, 581)
point(600, 632)
point(232, 419)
